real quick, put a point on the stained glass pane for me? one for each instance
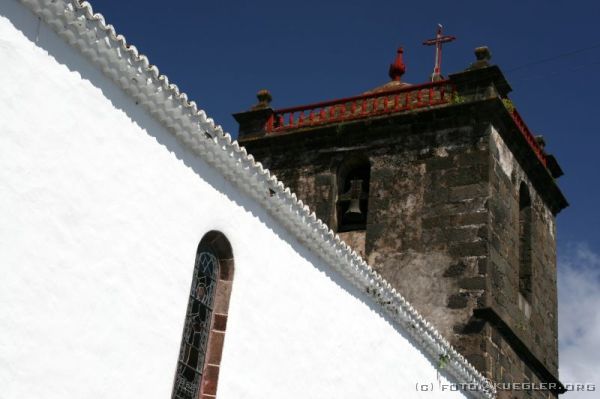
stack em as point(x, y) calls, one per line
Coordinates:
point(197, 327)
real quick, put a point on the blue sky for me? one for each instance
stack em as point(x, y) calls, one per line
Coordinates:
point(222, 52)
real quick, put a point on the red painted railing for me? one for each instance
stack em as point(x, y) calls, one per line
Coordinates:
point(528, 136)
point(364, 106)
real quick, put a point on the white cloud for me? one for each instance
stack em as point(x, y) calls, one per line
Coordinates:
point(579, 318)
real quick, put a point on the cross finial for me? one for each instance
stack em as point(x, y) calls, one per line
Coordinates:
point(437, 42)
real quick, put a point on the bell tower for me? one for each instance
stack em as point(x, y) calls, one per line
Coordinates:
point(445, 191)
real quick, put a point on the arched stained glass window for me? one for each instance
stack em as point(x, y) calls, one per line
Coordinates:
point(197, 326)
point(198, 365)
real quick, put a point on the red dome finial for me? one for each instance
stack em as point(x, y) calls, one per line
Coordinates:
point(398, 68)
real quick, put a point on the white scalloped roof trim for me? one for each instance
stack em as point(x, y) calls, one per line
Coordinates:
point(76, 22)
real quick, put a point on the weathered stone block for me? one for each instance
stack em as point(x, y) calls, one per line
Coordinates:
point(473, 283)
point(478, 248)
point(458, 301)
point(455, 270)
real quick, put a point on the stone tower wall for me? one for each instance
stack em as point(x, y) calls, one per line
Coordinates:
point(442, 227)
point(537, 327)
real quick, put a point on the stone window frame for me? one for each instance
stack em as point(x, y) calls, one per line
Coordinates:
point(525, 247)
point(349, 164)
point(218, 244)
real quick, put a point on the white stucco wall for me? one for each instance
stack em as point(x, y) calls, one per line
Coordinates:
point(101, 212)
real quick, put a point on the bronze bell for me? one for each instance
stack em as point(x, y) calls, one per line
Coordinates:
point(353, 209)
point(353, 213)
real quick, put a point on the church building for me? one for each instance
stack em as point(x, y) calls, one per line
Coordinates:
point(406, 249)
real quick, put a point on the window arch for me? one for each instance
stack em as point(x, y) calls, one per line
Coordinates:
point(525, 242)
point(206, 320)
point(352, 201)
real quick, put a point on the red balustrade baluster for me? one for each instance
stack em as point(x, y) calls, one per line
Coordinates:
point(396, 101)
point(419, 97)
point(280, 121)
point(363, 107)
point(442, 92)
point(322, 115)
point(311, 116)
point(270, 121)
point(385, 103)
point(301, 118)
point(331, 112)
point(291, 120)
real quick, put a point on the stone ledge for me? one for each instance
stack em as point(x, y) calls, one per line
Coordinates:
point(489, 315)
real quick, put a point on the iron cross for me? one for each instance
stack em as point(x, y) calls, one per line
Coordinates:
point(439, 39)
